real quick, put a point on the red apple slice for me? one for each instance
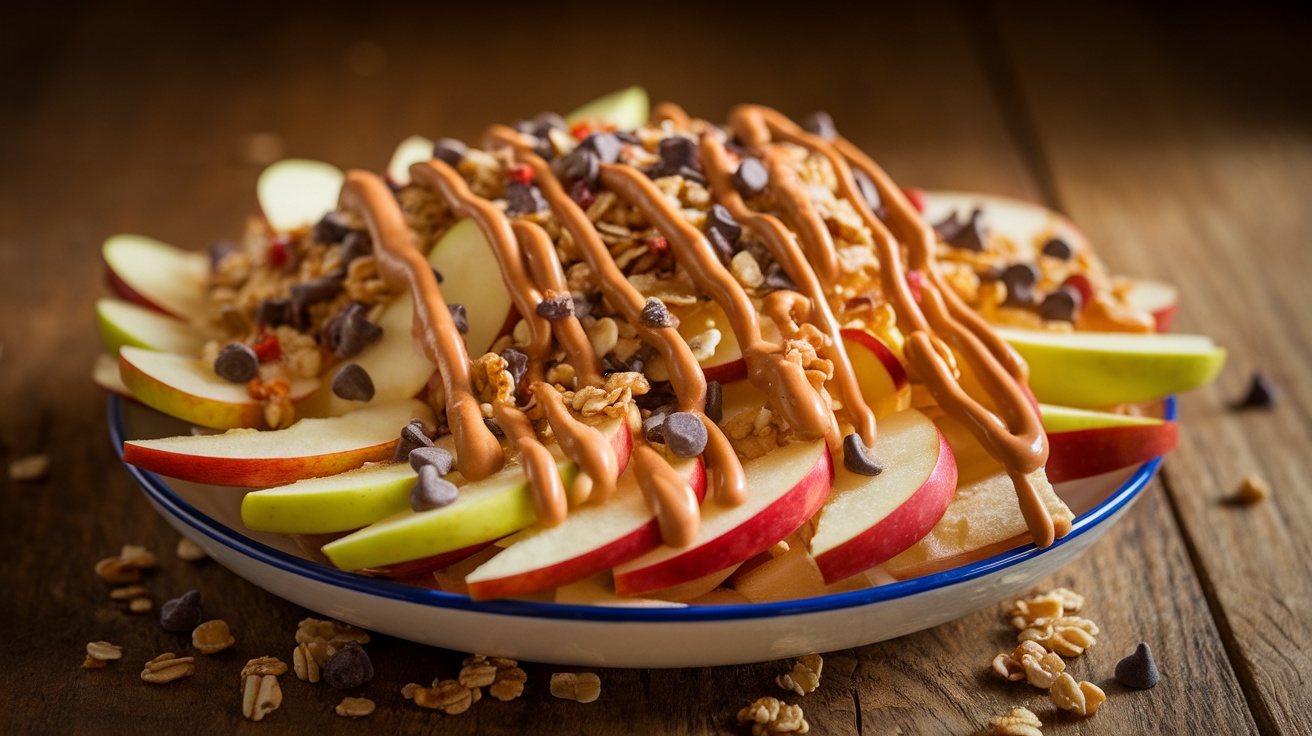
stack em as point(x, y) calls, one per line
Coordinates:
point(124, 323)
point(472, 278)
point(297, 192)
point(1082, 443)
point(189, 389)
point(308, 449)
point(787, 487)
point(880, 374)
point(1159, 299)
point(412, 150)
point(868, 520)
point(156, 275)
point(105, 374)
point(594, 538)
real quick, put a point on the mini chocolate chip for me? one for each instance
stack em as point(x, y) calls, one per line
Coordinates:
point(437, 275)
point(412, 438)
point(555, 305)
point(351, 382)
point(431, 491)
point(181, 614)
point(714, 401)
point(436, 456)
point(312, 292)
point(545, 121)
point(723, 231)
point(605, 145)
point(581, 164)
point(349, 667)
point(971, 235)
point(450, 151)
point(1058, 248)
point(351, 331)
point(949, 227)
point(273, 312)
point(1138, 670)
point(1020, 279)
point(330, 229)
point(494, 427)
point(776, 278)
point(523, 199)
point(1261, 394)
point(653, 427)
point(869, 192)
point(654, 314)
point(356, 243)
point(821, 124)
point(516, 363)
point(751, 178)
point(237, 363)
point(679, 156)
point(1062, 305)
point(858, 458)
point(684, 433)
point(459, 317)
point(219, 250)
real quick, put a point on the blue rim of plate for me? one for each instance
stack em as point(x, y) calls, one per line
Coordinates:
point(155, 487)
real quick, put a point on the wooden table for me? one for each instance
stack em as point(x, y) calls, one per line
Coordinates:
point(1181, 143)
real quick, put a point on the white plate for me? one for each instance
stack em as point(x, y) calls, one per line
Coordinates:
point(616, 636)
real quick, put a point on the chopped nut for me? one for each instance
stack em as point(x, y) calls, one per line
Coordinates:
point(91, 663)
point(1068, 636)
point(478, 675)
point(333, 633)
point(104, 651)
point(260, 696)
point(127, 592)
point(1005, 667)
point(1081, 698)
point(214, 636)
point(305, 664)
point(1041, 667)
point(116, 571)
point(137, 556)
point(1070, 600)
point(262, 666)
point(140, 604)
point(29, 467)
point(1025, 613)
point(355, 707)
point(805, 675)
point(189, 551)
point(583, 687)
point(448, 696)
point(1252, 490)
point(1019, 722)
point(168, 667)
point(410, 689)
point(770, 716)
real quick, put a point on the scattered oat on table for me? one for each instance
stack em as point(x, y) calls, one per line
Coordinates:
point(189, 551)
point(29, 468)
point(769, 715)
point(355, 707)
point(583, 687)
point(448, 696)
point(1082, 698)
point(168, 667)
point(1252, 489)
point(213, 636)
point(805, 675)
point(104, 651)
point(1018, 722)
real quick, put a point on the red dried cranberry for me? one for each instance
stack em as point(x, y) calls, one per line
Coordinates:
point(658, 244)
point(1081, 284)
point(522, 173)
point(581, 131)
point(278, 252)
point(267, 348)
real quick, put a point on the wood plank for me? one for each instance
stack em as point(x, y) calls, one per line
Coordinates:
point(1180, 141)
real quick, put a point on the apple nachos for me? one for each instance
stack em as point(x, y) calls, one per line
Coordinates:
point(660, 357)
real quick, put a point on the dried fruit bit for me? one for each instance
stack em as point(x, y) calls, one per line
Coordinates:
point(351, 382)
point(1252, 490)
point(260, 696)
point(448, 696)
point(583, 687)
point(303, 661)
point(189, 551)
point(167, 667)
point(349, 667)
point(805, 675)
point(1018, 722)
point(29, 467)
point(1261, 394)
point(1138, 670)
point(104, 651)
point(181, 614)
point(355, 707)
point(1081, 698)
point(261, 666)
point(770, 716)
point(212, 636)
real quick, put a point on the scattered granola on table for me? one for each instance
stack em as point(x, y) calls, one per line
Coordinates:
point(583, 687)
point(805, 675)
point(1017, 722)
point(1252, 489)
point(769, 715)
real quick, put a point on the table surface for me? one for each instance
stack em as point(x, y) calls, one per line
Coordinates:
point(1180, 142)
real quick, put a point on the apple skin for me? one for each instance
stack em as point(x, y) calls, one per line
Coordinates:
point(601, 557)
point(886, 391)
point(626, 109)
point(334, 503)
point(156, 275)
point(1080, 453)
point(665, 568)
point(888, 533)
point(1159, 299)
point(425, 566)
point(126, 323)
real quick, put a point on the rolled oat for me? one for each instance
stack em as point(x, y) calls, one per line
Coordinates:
point(769, 715)
point(213, 636)
point(583, 687)
point(29, 467)
point(261, 695)
point(448, 696)
point(168, 667)
point(104, 651)
point(141, 604)
point(355, 707)
point(127, 592)
point(189, 551)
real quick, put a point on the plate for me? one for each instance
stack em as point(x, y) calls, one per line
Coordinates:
point(615, 636)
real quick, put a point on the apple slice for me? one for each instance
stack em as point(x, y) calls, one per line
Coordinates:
point(1082, 443)
point(308, 449)
point(1106, 368)
point(787, 487)
point(412, 150)
point(1159, 299)
point(726, 363)
point(334, 503)
point(471, 278)
point(105, 374)
point(415, 571)
point(188, 389)
point(599, 590)
point(157, 275)
point(124, 323)
point(594, 538)
point(880, 374)
point(1026, 224)
point(626, 109)
point(297, 192)
point(869, 519)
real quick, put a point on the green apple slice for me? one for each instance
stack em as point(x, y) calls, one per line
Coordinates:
point(626, 109)
point(124, 323)
point(1058, 419)
point(472, 278)
point(412, 150)
point(336, 503)
point(1104, 368)
point(297, 192)
point(157, 275)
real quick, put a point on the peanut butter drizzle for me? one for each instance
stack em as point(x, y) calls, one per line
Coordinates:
point(1019, 443)
point(540, 255)
point(540, 469)
point(783, 381)
point(478, 454)
point(667, 494)
point(580, 440)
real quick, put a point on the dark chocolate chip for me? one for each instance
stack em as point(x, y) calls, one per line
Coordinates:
point(858, 458)
point(1058, 248)
point(821, 124)
point(605, 145)
point(459, 317)
point(654, 314)
point(685, 434)
point(412, 438)
point(450, 151)
point(544, 122)
point(751, 178)
point(723, 231)
point(494, 427)
point(181, 614)
point(579, 165)
point(627, 137)
point(523, 199)
point(356, 243)
point(776, 278)
point(219, 250)
point(331, 228)
point(582, 194)
point(349, 667)
point(1261, 394)
point(351, 331)
point(237, 363)
point(555, 306)
point(1062, 305)
point(1138, 670)
point(312, 292)
point(653, 427)
point(971, 235)
point(679, 156)
point(273, 312)
point(437, 275)
point(351, 382)
point(524, 126)
point(436, 456)
point(949, 227)
point(869, 192)
point(516, 363)
point(1020, 279)
point(714, 401)
point(431, 491)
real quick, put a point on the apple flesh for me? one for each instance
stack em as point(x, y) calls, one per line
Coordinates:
point(869, 519)
point(334, 503)
point(410, 151)
point(1159, 299)
point(1082, 443)
point(879, 373)
point(105, 374)
point(1090, 369)
point(472, 278)
point(297, 192)
point(787, 486)
point(156, 275)
point(308, 449)
point(124, 323)
point(725, 363)
point(625, 109)
point(1026, 224)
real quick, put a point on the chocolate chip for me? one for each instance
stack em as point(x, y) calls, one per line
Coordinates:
point(582, 194)
point(516, 363)
point(412, 438)
point(714, 401)
point(435, 456)
point(555, 306)
point(219, 250)
point(628, 137)
point(605, 145)
point(776, 278)
point(751, 178)
point(949, 227)
point(356, 244)
point(312, 292)
point(459, 317)
point(869, 192)
point(331, 228)
point(1020, 279)
point(351, 382)
point(431, 491)
point(579, 165)
point(1058, 248)
point(653, 427)
point(544, 122)
point(450, 151)
point(237, 363)
point(971, 235)
point(273, 312)
point(684, 433)
point(821, 124)
point(1062, 305)
point(523, 199)
point(437, 275)
point(723, 231)
point(858, 458)
point(679, 156)
point(351, 331)
point(181, 614)
point(494, 427)
point(1261, 394)
point(1138, 670)
point(654, 314)
point(349, 667)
